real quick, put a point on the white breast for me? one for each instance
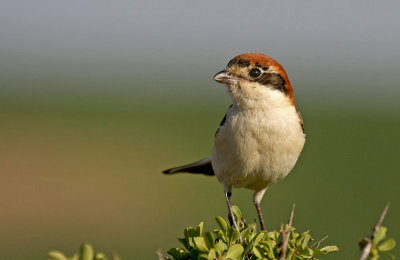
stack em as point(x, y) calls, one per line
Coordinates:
point(258, 145)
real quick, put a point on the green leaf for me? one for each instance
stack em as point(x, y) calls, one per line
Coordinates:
point(306, 253)
point(232, 234)
point(87, 252)
point(56, 255)
point(221, 235)
point(238, 214)
point(294, 235)
point(209, 239)
point(248, 249)
point(220, 247)
point(178, 254)
point(235, 252)
point(268, 247)
point(212, 254)
point(380, 235)
point(306, 239)
point(202, 257)
point(190, 233)
point(290, 254)
point(271, 235)
point(258, 252)
point(193, 254)
point(317, 252)
point(246, 235)
point(199, 229)
point(387, 245)
point(374, 253)
point(389, 255)
point(258, 238)
point(222, 223)
point(184, 242)
point(328, 249)
point(200, 244)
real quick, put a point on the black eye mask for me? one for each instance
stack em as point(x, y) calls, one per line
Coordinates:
point(273, 79)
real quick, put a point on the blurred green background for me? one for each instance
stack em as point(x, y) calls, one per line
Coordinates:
point(96, 100)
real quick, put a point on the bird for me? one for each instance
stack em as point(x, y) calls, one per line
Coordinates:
point(261, 136)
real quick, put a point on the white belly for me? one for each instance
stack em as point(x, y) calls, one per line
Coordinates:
point(254, 149)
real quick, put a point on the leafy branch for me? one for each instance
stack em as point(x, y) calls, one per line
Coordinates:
point(223, 242)
point(378, 242)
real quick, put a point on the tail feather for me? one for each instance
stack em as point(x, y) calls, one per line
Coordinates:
point(200, 167)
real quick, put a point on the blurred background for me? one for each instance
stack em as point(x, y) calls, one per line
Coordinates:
point(98, 97)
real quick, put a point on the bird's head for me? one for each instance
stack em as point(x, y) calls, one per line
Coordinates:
point(253, 78)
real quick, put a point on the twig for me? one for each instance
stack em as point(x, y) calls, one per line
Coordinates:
point(367, 248)
point(291, 216)
point(318, 242)
point(378, 225)
point(160, 255)
point(286, 234)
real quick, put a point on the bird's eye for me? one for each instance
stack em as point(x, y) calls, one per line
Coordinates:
point(255, 73)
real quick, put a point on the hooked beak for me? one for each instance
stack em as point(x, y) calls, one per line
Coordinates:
point(225, 77)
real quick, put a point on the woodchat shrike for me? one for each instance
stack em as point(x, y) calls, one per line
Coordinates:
point(261, 135)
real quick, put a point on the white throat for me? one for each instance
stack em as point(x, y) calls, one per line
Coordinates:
point(254, 96)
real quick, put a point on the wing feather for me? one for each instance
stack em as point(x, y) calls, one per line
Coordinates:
point(200, 167)
point(223, 120)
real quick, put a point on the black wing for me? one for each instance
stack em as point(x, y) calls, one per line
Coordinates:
point(223, 120)
point(200, 167)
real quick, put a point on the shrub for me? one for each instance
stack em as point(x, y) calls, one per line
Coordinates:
point(226, 242)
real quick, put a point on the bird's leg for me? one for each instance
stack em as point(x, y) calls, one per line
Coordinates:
point(257, 199)
point(228, 195)
point(260, 215)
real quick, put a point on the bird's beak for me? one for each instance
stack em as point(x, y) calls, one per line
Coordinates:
point(225, 77)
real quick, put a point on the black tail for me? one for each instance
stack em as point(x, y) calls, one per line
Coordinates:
point(203, 167)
